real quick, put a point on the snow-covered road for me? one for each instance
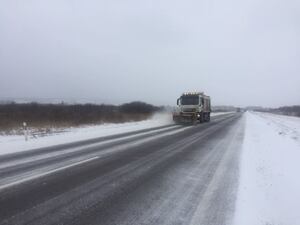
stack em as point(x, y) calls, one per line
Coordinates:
point(236, 170)
point(172, 175)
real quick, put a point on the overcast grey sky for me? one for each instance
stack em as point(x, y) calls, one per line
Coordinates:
point(239, 52)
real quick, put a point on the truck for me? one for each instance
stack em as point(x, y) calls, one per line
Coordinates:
point(192, 108)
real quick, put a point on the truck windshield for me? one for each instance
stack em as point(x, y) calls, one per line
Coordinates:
point(189, 100)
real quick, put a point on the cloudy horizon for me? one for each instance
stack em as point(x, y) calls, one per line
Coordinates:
point(239, 53)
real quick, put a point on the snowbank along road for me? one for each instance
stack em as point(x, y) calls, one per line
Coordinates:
point(269, 173)
point(166, 175)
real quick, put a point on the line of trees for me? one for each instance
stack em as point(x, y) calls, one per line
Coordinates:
point(285, 110)
point(36, 114)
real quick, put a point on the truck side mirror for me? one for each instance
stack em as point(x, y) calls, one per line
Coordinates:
point(178, 101)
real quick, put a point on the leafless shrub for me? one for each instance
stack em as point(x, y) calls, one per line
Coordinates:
point(47, 116)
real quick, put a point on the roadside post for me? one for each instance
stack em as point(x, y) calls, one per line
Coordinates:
point(25, 131)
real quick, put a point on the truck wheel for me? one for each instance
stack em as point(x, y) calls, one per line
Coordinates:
point(206, 117)
point(201, 118)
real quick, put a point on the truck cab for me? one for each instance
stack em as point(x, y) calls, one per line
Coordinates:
point(192, 107)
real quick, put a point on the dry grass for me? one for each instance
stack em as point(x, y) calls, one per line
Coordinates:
point(45, 118)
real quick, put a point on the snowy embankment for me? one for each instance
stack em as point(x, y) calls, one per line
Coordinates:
point(16, 143)
point(269, 191)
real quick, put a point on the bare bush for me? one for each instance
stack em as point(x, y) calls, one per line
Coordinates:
point(40, 116)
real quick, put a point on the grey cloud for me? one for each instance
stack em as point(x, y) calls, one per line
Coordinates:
point(239, 52)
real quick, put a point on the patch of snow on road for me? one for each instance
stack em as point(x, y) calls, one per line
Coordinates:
point(269, 191)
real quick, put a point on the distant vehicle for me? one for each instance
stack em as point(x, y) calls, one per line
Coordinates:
point(192, 107)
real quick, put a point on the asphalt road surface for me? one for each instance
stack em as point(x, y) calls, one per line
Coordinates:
point(168, 175)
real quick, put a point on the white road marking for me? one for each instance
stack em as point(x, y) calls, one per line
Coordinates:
point(26, 179)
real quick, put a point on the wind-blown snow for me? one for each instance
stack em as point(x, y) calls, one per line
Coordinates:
point(269, 191)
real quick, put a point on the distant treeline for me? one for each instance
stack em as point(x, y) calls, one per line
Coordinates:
point(59, 115)
point(285, 110)
point(223, 108)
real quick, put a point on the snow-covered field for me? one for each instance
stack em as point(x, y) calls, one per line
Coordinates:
point(269, 191)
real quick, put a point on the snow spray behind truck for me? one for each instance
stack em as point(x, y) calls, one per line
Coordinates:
point(192, 107)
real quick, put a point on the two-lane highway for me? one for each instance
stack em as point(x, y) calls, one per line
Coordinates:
point(168, 175)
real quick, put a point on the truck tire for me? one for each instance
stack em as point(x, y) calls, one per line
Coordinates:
point(201, 119)
point(206, 117)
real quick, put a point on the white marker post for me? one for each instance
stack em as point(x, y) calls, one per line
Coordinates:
point(25, 131)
